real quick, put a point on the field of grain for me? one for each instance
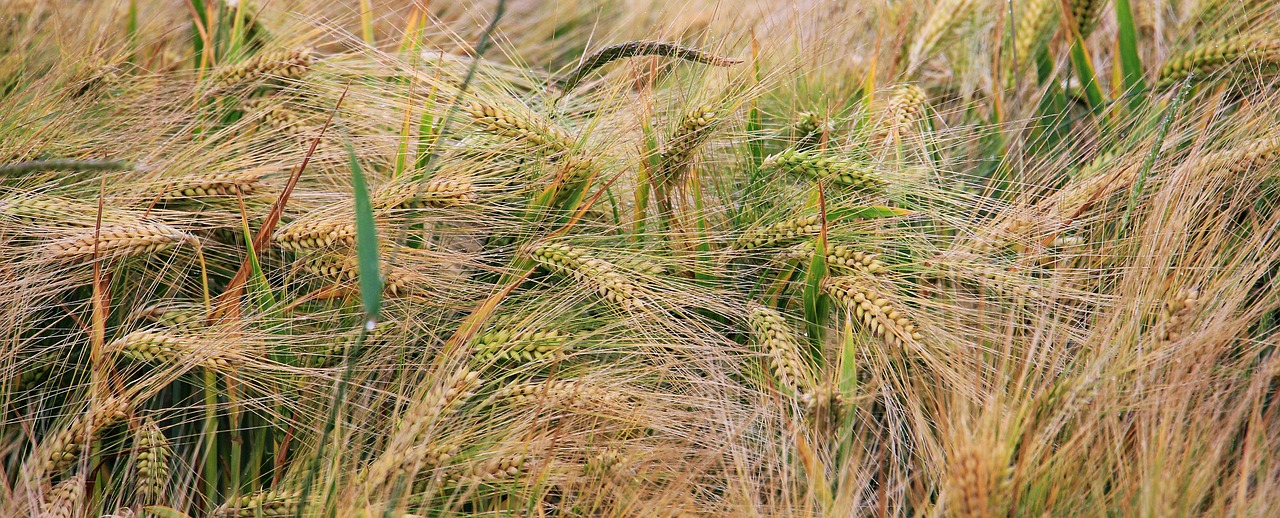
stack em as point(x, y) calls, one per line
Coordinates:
point(639, 258)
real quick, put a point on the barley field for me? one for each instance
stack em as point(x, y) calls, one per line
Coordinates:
point(639, 258)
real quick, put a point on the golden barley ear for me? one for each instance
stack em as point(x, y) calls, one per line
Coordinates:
point(838, 256)
point(312, 233)
point(230, 184)
point(281, 64)
point(57, 453)
point(116, 241)
point(65, 499)
point(973, 483)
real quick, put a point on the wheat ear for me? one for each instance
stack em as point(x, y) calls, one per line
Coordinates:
point(281, 503)
point(215, 184)
point(519, 346)
point(64, 499)
point(602, 57)
point(155, 346)
point(59, 452)
point(434, 193)
point(840, 256)
point(316, 233)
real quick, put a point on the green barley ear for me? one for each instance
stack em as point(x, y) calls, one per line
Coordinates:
point(59, 452)
point(1207, 58)
point(906, 108)
point(946, 14)
point(837, 170)
point(677, 153)
point(779, 234)
point(603, 276)
point(160, 347)
point(533, 134)
point(1084, 15)
point(786, 360)
point(1034, 24)
point(810, 128)
point(840, 256)
point(519, 345)
point(877, 312)
point(153, 457)
point(263, 503)
point(312, 233)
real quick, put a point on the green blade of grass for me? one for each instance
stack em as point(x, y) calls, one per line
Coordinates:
point(816, 304)
point(1130, 61)
point(366, 241)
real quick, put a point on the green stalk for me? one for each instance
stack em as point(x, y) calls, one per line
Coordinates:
point(210, 437)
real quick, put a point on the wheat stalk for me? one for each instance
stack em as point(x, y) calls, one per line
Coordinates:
point(1209, 57)
point(580, 265)
point(874, 309)
point(781, 233)
point(786, 360)
point(153, 457)
point(116, 241)
point(838, 170)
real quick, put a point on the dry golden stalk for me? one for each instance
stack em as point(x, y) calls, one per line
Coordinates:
point(786, 360)
point(838, 170)
point(581, 266)
point(313, 233)
point(263, 503)
point(972, 481)
point(59, 452)
point(520, 346)
point(154, 455)
point(217, 184)
point(286, 64)
point(435, 193)
point(878, 314)
point(782, 233)
point(565, 393)
point(1203, 60)
point(1035, 23)
point(534, 135)
point(64, 500)
point(154, 346)
point(1176, 314)
point(694, 130)
point(841, 256)
point(396, 281)
point(117, 241)
point(492, 470)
